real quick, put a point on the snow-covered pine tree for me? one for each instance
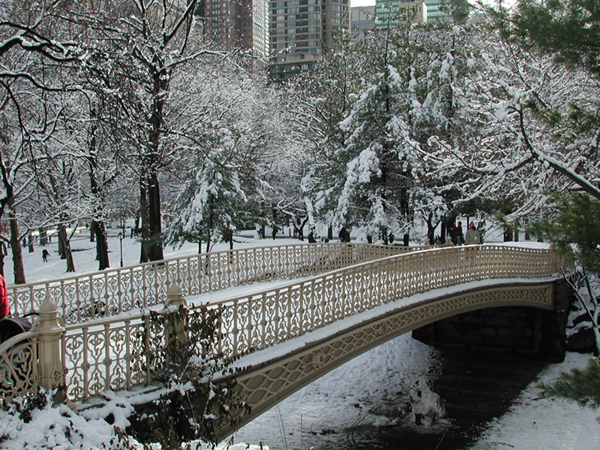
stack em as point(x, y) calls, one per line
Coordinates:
point(231, 137)
point(408, 82)
point(321, 100)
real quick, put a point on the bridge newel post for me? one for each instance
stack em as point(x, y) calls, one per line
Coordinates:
point(176, 332)
point(50, 364)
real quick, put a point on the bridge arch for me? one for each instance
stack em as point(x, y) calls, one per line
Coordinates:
point(270, 381)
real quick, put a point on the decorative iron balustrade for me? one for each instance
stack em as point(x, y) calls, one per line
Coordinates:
point(259, 320)
point(18, 373)
point(103, 294)
point(107, 354)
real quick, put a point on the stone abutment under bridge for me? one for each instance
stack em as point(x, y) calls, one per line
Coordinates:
point(513, 330)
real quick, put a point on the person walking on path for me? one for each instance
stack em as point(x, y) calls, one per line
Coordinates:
point(459, 234)
point(344, 235)
point(45, 255)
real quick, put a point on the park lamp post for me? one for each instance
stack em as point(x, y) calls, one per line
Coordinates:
point(121, 244)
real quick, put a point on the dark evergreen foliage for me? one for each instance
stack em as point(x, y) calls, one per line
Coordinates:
point(569, 29)
point(580, 386)
point(574, 230)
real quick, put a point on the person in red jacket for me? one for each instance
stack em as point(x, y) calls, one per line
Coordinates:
point(4, 310)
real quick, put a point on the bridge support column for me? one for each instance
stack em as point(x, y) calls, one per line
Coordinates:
point(50, 364)
point(553, 343)
point(176, 334)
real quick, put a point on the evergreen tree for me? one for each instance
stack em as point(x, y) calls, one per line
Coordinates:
point(371, 173)
point(573, 230)
point(580, 386)
point(567, 29)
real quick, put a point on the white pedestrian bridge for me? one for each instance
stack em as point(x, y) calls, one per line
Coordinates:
point(334, 302)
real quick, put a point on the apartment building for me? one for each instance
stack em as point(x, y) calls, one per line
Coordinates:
point(389, 12)
point(237, 24)
point(362, 18)
point(300, 30)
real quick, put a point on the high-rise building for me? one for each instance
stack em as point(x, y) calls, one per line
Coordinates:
point(389, 12)
point(362, 18)
point(437, 9)
point(237, 24)
point(299, 30)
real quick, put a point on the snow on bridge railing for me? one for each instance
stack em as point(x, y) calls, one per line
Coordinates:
point(102, 294)
point(110, 353)
point(259, 320)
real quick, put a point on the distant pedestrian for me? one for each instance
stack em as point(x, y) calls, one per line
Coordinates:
point(4, 309)
point(459, 234)
point(45, 255)
point(311, 237)
point(472, 236)
point(426, 241)
point(481, 230)
point(344, 235)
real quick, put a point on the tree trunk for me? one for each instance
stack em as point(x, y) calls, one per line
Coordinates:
point(145, 249)
point(156, 249)
point(43, 237)
point(430, 229)
point(101, 244)
point(66, 245)
point(15, 245)
point(61, 247)
point(15, 242)
point(3, 253)
point(152, 249)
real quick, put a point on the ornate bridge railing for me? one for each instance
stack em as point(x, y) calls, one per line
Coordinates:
point(259, 320)
point(109, 354)
point(101, 294)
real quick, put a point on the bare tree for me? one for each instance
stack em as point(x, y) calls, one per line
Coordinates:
point(143, 51)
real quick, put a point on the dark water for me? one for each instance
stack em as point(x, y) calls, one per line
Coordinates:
point(364, 403)
point(475, 388)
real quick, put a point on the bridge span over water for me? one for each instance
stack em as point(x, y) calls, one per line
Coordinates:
point(344, 299)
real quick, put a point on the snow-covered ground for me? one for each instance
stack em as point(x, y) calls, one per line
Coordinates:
point(340, 399)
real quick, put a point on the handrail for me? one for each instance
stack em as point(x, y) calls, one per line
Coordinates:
point(259, 320)
point(107, 354)
point(113, 291)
